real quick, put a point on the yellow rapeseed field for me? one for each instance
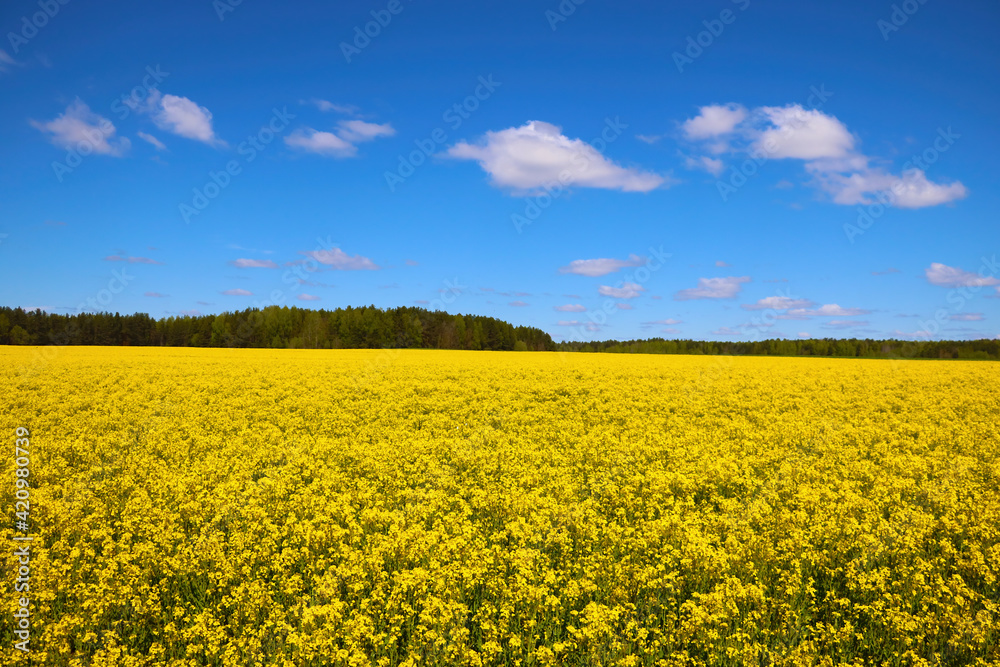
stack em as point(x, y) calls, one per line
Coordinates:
point(365, 507)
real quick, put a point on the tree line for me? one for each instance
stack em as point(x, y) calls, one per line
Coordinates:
point(810, 347)
point(275, 327)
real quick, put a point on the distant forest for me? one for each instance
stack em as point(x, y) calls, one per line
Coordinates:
point(275, 327)
point(404, 327)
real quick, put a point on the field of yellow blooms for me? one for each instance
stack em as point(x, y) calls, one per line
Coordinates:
point(366, 507)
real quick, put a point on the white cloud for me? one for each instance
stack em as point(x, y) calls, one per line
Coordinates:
point(341, 261)
point(726, 331)
point(517, 304)
point(78, 126)
point(649, 138)
point(777, 303)
point(184, 118)
point(826, 146)
point(949, 276)
point(307, 297)
point(722, 264)
point(340, 144)
point(712, 165)
point(911, 190)
point(967, 317)
point(602, 266)
point(327, 144)
point(626, 291)
point(357, 131)
point(804, 334)
point(804, 134)
point(237, 292)
point(324, 105)
point(571, 308)
point(152, 140)
point(537, 154)
point(713, 288)
point(254, 264)
point(667, 322)
point(155, 295)
point(713, 121)
point(828, 310)
point(624, 306)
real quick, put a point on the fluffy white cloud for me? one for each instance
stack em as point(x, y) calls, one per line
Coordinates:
point(79, 127)
point(184, 118)
point(825, 145)
point(341, 261)
point(910, 190)
point(254, 264)
point(777, 303)
point(949, 276)
point(602, 266)
point(713, 121)
point(571, 308)
point(713, 288)
point(537, 154)
point(804, 134)
point(626, 291)
point(152, 140)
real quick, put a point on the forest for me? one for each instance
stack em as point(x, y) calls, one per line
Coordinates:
point(406, 327)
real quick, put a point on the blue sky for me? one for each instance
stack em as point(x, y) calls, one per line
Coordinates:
point(717, 170)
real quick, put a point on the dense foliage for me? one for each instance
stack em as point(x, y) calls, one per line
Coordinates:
point(813, 347)
point(275, 327)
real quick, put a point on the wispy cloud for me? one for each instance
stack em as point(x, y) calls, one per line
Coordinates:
point(307, 297)
point(343, 143)
point(244, 263)
point(131, 260)
point(339, 260)
point(152, 140)
point(237, 292)
point(571, 308)
point(79, 126)
point(949, 276)
point(626, 291)
point(713, 288)
point(602, 266)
